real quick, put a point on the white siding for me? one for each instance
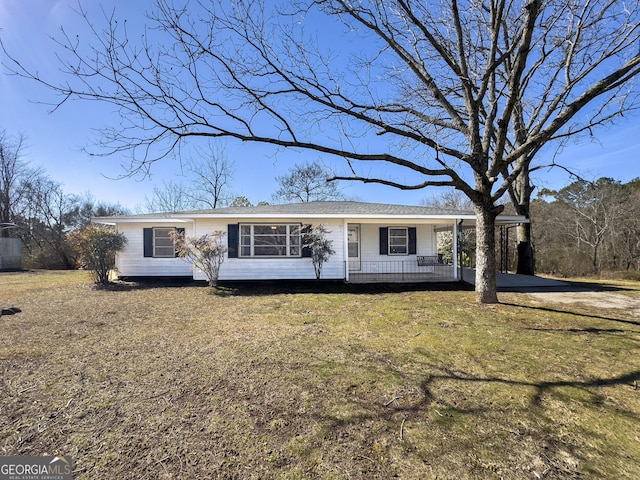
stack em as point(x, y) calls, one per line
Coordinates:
point(426, 244)
point(131, 262)
point(285, 268)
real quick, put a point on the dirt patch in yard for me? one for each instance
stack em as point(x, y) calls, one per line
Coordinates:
point(596, 299)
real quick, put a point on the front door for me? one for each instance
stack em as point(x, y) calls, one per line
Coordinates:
point(353, 246)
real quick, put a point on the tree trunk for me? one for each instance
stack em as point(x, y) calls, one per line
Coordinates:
point(520, 193)
point(526, 259)
point(596, 268)
point(485, 256)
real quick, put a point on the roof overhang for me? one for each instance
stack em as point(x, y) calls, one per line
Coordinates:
point(467, 220)
point(139, 219)
point(356, 212)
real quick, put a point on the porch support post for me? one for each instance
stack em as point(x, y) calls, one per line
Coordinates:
point(345, 243)
point(457, 269)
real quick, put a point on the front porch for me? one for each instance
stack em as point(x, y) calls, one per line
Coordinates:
point(420, 269)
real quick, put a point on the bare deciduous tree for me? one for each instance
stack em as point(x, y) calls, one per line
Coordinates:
point(307, 182)
point(629, 232)
point(86, 206)
point(588, 213)
point(206, 184)
point(13, 171)
point(213, 172)
point(454, 93)
point(44, 221)
point(171, 196)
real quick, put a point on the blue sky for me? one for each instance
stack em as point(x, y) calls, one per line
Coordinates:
point(55, 140)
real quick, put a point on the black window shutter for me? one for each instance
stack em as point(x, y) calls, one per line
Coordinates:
point(233, 233)
point(384, 241)
point(412, 240)
point(306, 251)
point(147, 234)
point(180, 232)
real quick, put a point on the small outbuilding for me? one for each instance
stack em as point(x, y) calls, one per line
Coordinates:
point(10, 253)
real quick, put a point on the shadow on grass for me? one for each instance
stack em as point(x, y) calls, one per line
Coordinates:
point(276, 287)
point(561, 286)
point(597, 331)
point(249, 288)
point(453, 400)
point(149, 283)
point(594, 286)
point(630, 379)
point(578, 314)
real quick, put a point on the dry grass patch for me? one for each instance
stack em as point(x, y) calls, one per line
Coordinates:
point(166, 381)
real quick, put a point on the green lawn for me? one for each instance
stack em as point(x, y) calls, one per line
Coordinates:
point(173, 382)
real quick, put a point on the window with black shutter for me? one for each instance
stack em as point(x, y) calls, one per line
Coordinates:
point(157, 242)
point(398, 241)
point(233, 230)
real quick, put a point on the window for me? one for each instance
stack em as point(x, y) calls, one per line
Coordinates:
point(277, 240)
point(163, 245)
point(398, 241)
point(353, 240)
point(158, 243)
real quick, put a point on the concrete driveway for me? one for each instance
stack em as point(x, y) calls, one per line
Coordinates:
point(548, 290)
point(511, 282)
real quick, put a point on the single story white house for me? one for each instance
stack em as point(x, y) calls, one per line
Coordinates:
point(372, 242)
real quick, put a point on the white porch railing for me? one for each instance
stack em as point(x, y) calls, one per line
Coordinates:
point(409, 270)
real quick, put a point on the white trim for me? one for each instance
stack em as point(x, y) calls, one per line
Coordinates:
point(153, 220)
point(345, 251)
point(356, 212)
point(361, 218)
point(457, 269)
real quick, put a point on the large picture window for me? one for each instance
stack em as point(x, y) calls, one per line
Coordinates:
point(398, 241)
point(270, 240)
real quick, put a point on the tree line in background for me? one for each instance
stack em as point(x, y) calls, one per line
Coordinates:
point(588, 228)
point(208, 184)
point(585, 228)
point(35, 208)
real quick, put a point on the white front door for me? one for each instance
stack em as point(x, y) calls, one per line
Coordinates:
point(353, 246)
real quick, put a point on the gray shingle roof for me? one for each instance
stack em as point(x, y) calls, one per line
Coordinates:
point(315, 210)
point(330, 208)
